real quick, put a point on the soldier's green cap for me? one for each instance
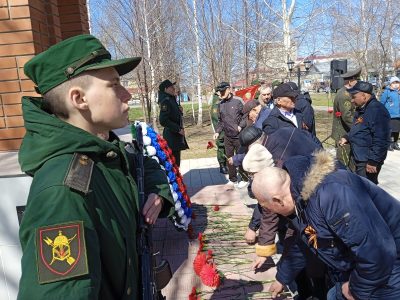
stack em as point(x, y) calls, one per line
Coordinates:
point(70, 58)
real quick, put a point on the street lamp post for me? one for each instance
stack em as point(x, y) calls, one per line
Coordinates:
point(307, 65)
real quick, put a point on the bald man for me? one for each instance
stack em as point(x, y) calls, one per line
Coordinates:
point(351, 224)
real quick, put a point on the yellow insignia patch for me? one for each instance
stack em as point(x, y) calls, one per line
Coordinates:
point(347, 104)
point(61, 252)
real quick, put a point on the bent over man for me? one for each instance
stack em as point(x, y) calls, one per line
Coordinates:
point(78, 233)
point(351, 224)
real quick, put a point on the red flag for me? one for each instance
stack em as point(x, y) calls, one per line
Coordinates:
point(247, 94)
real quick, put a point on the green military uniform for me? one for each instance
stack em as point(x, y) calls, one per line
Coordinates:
point(78, 232)
point(343, 112)
point(171, 118)
point(214, 121)
point(107, 210)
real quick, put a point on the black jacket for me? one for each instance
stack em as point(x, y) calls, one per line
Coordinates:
point(276, 120)
point(369, 136)
point(230, 116)
point(303, 105)
point(171, 119)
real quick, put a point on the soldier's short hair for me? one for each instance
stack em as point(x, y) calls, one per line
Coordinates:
point(54, 99)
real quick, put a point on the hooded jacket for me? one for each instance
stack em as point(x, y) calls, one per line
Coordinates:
point(391, 99)
point(107, 211)
point(356, 227)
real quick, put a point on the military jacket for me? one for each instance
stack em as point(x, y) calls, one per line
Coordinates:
point(171, 118)
point(343, 112)
point(78, 233)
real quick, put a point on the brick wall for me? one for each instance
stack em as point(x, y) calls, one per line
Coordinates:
point(28, 27)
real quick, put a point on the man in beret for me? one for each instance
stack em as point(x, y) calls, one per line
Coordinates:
point(369, 135)
point(343, 112)
point(171, 117)
point(79, 230)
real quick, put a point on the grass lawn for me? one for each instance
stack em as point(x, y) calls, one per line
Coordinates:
point(198, 136)
point(322, 99)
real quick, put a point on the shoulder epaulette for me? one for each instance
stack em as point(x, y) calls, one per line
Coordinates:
point(79, 173)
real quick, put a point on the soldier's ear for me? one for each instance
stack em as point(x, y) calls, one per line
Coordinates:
point(76, 96)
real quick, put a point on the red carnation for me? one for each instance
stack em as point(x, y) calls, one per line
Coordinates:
point(330, 110)
point(216, 207)
point(210, 145)
point(209, 275)
point(200, 237)
point(199, 262)
point(193, 295)
point(338, 114)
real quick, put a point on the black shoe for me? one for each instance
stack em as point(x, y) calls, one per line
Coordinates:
point(396, 146)
point(223, 169)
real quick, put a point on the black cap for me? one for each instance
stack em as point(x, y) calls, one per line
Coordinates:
point(249, 135)
point(285, 90)
point(352, 74)
point(361, 86)
point(165, 84)
point(222, 86)
point(293, 85)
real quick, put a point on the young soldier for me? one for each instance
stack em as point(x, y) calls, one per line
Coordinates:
point(78, 233)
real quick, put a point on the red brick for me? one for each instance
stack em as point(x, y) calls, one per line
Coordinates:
point(17, 49)
point(12, 133)
point(21, 74)
point(12, 110)
point(36, 14)
point(21, 60)
point(19, 36)
point(71, 27)
point(70, 9)
point(6, 145)
point(4, 13)
point(16, 121)
point(2, 123)
point(19, 2)
point(9, 86)
point(19, 12)
point(38, 4)
point(1, 111)
point(7, 62)
point(15, 25)
point(15, 98)
point(27, 85)
point(75, 18)
point(8, 74)
point(3, 3)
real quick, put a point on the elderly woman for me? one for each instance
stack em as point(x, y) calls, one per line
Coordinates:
point(391, 99)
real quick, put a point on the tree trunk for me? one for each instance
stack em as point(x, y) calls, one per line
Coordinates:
point(198, 60)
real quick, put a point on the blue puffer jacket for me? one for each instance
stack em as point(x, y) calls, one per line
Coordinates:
point(391, 99)
point(357, 225)
point(369, 136)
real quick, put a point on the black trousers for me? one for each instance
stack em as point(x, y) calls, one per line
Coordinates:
point(177, 155)
point(231, 147)
point(360, 169)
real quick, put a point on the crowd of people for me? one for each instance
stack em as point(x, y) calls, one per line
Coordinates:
point(336, 229)
point(338, 232)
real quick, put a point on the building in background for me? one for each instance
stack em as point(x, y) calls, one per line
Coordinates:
point(28, 27)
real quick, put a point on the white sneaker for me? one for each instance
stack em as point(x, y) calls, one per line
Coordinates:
point(241, 184)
